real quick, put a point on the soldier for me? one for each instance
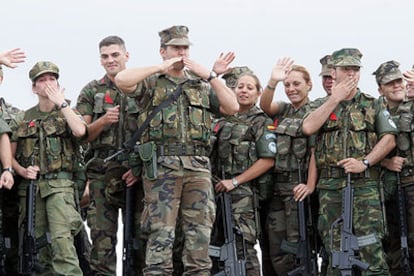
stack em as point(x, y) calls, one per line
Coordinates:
point(9, 211)
point(391, 86)
point(246, 134)
point(409, 77)
point(44, 143)
point(105, 110)
point(294, 174)
point(354, 133)
point(174, 149)
point(325, 73)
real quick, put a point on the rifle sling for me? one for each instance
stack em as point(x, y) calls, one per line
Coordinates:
point(137, 134)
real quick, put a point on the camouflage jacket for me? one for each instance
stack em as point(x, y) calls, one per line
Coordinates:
point(7, 110)
point(292, 145)
point(95, 98)
point(241, 140)
point(44, 139)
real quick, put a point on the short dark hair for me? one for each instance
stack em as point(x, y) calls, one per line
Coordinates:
point(111, 40)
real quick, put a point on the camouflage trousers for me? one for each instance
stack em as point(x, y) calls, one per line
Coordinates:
point(178, 194)
point(392, 243)
point(55, 213)
point(103, 215)
point(282, 229)
point(244, 219)
point(367, 219)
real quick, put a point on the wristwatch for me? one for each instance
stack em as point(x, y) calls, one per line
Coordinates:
point(365, 162)
point(63, 105)
point(212, 76)
point(235, 182)
point(9, 169)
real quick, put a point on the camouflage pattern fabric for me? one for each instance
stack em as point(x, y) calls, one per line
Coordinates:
point(107, 190)
point(282, 221)
point(250, 135)
point(192, 191)
point(366, 119)
point(402, 115)
point(338, 139)
point(55, 204)
point(367, 219)
point(183, 186)
point(346, 57)
point(387, 72)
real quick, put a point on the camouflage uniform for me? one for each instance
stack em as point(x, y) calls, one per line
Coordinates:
point(403, 117)
point(107, 190)
point(9, 203)
point(176, 167)
point(45, 139)
point(4, 128)
point(241, 140)
point(352, 130)
point(282, 222)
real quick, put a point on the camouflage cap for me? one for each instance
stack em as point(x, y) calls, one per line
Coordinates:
point(326, 62)
point(346, 57)
point(387, 72)
point(232, 76)
point(41, 68)
point(175, 35)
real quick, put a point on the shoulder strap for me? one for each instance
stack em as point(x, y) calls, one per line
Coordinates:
point(137, 134)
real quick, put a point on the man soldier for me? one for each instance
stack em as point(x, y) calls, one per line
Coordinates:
point(174, 149)
point(354, 133)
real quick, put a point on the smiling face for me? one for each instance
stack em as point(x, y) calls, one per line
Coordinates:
point(247, 91)
point(113, 58)
point(297, 86)
point(394, 91)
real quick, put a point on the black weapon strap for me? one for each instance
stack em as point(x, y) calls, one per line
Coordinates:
point(137, 134)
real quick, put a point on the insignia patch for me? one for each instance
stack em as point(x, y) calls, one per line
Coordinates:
point(272, 147)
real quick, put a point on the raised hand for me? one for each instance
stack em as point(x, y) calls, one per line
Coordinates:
point(221, 65)
point(281, 69)
point(12, 57)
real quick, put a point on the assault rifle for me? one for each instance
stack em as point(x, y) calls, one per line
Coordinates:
point(29, 250)
point(347, 257)
point(130, 243)
point(405, 256)
point(306, 256)
point(227, 253)
point(29, 247)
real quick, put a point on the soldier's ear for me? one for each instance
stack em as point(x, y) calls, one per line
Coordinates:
point(380, 91)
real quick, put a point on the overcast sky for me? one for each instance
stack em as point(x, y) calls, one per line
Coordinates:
point(258, 31)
